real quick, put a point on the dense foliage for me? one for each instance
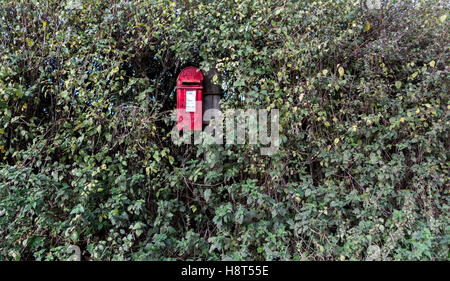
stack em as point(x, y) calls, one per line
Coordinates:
point(86, 159)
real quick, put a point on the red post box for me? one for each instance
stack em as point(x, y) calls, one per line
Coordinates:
point(189, 99)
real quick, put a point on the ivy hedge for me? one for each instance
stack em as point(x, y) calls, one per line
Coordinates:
point(86, 94)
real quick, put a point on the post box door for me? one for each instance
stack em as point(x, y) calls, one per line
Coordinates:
point(189, 109)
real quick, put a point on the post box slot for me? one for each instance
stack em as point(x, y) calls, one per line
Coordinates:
point(190, 83)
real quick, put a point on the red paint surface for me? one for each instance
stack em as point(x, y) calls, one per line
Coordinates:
point(190, 79)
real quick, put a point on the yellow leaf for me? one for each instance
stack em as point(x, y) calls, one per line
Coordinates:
point(300, 98)
point(336, 141)
point(44, 24)
point(325, 71)
point(414, 75)
point(2, 131)
point(367, 26)
point(442, 18)
point(342, 258)
point(341, 71)
point(432, 63)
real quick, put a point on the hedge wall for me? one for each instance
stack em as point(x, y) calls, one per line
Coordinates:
point(86, 158)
